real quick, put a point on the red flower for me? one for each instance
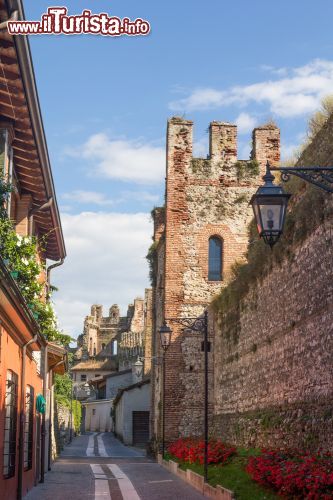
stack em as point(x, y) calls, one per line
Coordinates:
point(192, 450)
point(294, 474)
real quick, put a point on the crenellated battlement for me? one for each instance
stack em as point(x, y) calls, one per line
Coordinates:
point(222, 156)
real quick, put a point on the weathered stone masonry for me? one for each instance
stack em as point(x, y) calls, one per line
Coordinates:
point(204, 198)
point(274, 379)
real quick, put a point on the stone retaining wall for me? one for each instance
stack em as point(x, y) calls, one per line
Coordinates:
point(273, 377)
point(197, 481)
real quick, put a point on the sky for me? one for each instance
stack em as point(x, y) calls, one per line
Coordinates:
point(105, 103)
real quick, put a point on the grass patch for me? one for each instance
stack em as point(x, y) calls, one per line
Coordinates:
point(232, 476)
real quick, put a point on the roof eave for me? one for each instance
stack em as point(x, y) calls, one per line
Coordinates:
point(29, 83)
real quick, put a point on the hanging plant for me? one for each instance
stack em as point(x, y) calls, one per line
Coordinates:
point(19, 253)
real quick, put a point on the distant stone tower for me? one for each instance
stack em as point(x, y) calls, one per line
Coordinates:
point(124, 337)
point(114, 313)
point(99, 331)
point(198, 236)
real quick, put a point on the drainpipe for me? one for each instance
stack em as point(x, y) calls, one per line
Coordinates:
point(37, 209)
point(50, 422)
point(48, 271)
point(22, 412)
point(42, 461)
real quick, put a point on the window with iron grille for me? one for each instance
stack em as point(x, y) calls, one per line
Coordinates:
point(28, 427)
point(9, 442)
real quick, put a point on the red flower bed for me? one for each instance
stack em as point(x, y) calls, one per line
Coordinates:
point(191, 450)
point(294, 475)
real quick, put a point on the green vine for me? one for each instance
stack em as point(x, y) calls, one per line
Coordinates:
point(20, 254)
point(248, 168)
point(63, 396)
point(151, 258)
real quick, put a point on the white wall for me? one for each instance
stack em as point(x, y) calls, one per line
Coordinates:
point(90, 375)
point(116, 382)
point(99, 420)
point(136, 399)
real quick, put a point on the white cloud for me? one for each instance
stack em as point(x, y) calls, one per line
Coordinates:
point(105, 264)
point(200, 148)
point(245, 123)
point(289, 151)
point(244, 150)
point(96, 198)
point(125, 160)
point(92, 197)
point(297, 92)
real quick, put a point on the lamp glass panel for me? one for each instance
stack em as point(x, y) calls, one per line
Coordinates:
point(257, 215)
point(165, 339)
point(271, 217)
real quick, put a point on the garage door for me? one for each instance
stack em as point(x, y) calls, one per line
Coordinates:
point(140, 427)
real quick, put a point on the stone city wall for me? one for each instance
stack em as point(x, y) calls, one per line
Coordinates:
point(273, 377)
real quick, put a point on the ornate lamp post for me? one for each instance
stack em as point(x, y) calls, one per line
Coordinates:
point(165, 338)
point(199, 325)
point(270, 201)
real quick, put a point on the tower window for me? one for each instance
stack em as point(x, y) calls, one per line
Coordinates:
point(215, 259)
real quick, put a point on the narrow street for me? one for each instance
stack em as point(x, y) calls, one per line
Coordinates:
point(98, 466)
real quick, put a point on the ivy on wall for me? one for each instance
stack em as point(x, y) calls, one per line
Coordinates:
point(63, 397)
point(20, 254)
point(151, 258)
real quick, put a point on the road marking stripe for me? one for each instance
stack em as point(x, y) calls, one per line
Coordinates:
point(101, 447)
point(102, 490)
point(126, 487)
point(90, 447)
point(162, 481)
point(97, 469)
point(96, 450)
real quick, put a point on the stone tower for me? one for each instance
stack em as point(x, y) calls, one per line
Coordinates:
point(198, 236)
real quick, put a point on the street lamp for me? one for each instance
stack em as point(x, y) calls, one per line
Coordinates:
point(165, 338)
point(137, 369)
point(270, 202)
point(269, 205)
point(86, 388)
point(199, 325)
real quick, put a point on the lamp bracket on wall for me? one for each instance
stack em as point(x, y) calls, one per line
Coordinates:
point(321, 177)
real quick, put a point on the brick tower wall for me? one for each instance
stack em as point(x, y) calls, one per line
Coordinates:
point(204, 198)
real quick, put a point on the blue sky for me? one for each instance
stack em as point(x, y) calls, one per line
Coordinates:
point(105, 102)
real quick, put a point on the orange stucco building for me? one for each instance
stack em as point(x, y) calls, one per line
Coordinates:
point(27, 360)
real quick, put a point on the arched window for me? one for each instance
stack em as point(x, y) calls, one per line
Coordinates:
point(215, 259)
point(103, 347)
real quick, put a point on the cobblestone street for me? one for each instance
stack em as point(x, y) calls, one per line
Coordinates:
point(97, 466)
